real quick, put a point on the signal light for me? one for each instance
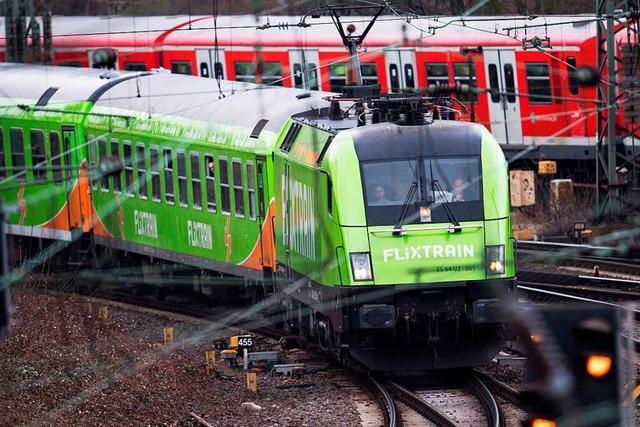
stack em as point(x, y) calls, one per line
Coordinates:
point(598, 365)
point(541, 422)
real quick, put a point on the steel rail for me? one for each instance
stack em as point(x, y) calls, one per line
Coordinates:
point(495, 418)
point(419, 405)
point(506, 391)
point(383, 396)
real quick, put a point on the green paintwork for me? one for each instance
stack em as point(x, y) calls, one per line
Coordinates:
point(319, 209)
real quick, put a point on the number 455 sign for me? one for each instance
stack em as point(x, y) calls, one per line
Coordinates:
point(242, 341)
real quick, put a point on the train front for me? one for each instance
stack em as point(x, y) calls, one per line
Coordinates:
point(425, 218)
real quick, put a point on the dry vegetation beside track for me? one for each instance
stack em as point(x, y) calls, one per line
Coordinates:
point(64, 365)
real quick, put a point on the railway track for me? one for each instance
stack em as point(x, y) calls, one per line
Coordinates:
point(479, 406)
point(471, 404)
point(542, 291)
point(606, 259)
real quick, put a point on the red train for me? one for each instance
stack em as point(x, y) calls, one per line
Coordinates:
point(542, 103)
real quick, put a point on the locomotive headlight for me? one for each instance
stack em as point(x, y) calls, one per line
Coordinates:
point(495, 259)
point(361, 266)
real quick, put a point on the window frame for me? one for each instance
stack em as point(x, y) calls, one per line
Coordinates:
point(464, 79)
point(142, 175)
point(57, 172)
point(210, 180)
point(23, 176)
point(116, 179)
point(39, 172)
point(104, 151)
point(183, 199)
point(251, 189)
point(196, 183)
point(169, 197)
point(535, 99)
point(224, 184)
point(3, 160)
point(128, 168)
point(435, 79)
point(238, 188)
point(178, 62)
point(246, 78)
point(155, 173)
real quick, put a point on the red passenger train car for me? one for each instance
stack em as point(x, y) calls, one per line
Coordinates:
point(535, 102)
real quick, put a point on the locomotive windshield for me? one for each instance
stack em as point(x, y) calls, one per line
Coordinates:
point(454, 181)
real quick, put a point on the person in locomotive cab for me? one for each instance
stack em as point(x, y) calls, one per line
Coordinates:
point(458, 190)
point(380, 195)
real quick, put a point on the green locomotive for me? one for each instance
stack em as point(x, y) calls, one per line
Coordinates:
point(378, 228)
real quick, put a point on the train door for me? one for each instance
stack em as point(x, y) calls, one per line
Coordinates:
point(69, 153)
point(266, 219)
point(286, 223)
point(504, 102)
point(211, 65)
point(304, 69)
point(401, 69)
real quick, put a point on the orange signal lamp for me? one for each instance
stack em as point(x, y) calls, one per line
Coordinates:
point(541, 422)
point(598, 365)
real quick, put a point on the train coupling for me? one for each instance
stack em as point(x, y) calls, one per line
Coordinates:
point(488, 311)
point(377, 316)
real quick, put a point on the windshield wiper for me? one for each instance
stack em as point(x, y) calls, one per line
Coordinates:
point(397, 229)
point(447, 207)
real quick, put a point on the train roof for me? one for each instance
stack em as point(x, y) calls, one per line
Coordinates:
point(231, 103)
point(148, 31)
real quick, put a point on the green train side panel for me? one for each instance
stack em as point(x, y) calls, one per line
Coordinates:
point(43, 203)
point(497, 202)
point(307, 235)
point(185, 229)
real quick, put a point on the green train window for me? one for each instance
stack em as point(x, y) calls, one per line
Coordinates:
point(3, 172)
point(182, 180)
point(56, 157)
point(128, 168)
point(337, 76)
point(238, 187)
point(38, 157)
point(168, 176)
point(225, 197)
point(261, 188)
point(210, 183)
point(117, 177)
point(103, 153)
point(142, 171)
point(155, 174)
point(17, 153)
point(251, 189)
point(196, 183)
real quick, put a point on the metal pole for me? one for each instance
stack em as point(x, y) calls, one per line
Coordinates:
point(611, 115)
point(355, 62)
point(48, 38)
point(5, 309)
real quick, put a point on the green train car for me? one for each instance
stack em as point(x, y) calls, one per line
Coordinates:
point(368, 225)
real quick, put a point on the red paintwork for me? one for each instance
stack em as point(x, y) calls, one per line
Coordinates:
point(177, 38)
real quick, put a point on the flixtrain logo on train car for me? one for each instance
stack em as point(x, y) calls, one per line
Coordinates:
point(146, 224)
point(428, 251)
point(199, 235)
point(299, 222)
